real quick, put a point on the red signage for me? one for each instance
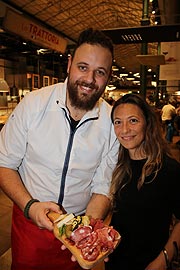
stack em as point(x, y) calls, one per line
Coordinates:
point(30, 30)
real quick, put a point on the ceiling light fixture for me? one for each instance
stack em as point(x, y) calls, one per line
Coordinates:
point(3, 86)
point(130, 78)
point(123, 74)
point(110, 87)
point(115, 68)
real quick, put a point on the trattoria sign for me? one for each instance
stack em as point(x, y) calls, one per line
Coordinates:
point(34, 32)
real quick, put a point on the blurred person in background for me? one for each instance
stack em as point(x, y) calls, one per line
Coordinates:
point(144, 191)
point(167, 115)
point(177, 120)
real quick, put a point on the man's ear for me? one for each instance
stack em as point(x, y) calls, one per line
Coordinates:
point(69, 63)
point(110, 75)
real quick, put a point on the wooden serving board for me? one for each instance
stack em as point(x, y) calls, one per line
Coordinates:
point(94, 265)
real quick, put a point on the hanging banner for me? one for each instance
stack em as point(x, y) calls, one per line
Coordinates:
point(171, 69)
point(30, 30)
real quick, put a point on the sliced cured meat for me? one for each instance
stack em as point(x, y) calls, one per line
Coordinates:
point(90, 240)
point(90, 253)
point(113, 233)
point(96, 224)
point(80, 233)
point(104, 238)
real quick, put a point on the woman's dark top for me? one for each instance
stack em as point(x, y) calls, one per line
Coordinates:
point(143, 217)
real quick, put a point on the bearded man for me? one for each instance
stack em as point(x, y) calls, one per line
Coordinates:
point(58, 150)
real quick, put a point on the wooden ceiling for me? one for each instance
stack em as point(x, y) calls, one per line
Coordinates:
point(69, 18)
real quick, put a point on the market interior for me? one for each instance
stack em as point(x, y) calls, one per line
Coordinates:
point(138, 29)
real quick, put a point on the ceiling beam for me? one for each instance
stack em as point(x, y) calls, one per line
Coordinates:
point(144, 34)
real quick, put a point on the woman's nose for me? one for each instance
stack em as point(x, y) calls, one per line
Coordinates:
point(125, 127)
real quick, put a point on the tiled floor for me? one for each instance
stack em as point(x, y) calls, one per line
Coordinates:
point(5, 219)
point(5, 260)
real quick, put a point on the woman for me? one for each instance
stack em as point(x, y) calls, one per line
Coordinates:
point(145, 190)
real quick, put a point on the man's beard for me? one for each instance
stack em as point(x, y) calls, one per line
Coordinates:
point(83, 101)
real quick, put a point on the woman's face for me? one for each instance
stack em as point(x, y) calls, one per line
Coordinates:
point(130, 128)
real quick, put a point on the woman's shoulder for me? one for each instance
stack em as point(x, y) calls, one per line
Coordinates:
point(171, 163)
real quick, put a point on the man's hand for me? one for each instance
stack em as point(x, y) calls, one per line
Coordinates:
point(38, 214)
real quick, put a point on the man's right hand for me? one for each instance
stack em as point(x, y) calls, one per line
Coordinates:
point(38, 214)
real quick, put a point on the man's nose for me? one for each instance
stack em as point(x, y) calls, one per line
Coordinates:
point(90, 76)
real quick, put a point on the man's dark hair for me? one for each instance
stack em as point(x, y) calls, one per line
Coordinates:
point(95, 37)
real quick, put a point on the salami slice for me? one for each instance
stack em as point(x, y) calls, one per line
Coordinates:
point(90, 240)
point(90, 253)
point(80, 233)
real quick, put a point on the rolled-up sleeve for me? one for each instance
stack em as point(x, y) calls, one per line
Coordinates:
point(13, 138)
point(102, 178)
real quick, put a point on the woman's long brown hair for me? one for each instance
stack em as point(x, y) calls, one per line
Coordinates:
point(154, 146)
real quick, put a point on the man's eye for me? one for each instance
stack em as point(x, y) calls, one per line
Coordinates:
point(83, 68)
point(100, 72)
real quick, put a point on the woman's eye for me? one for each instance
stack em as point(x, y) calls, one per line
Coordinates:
point(133, 120)
point(117, 122)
